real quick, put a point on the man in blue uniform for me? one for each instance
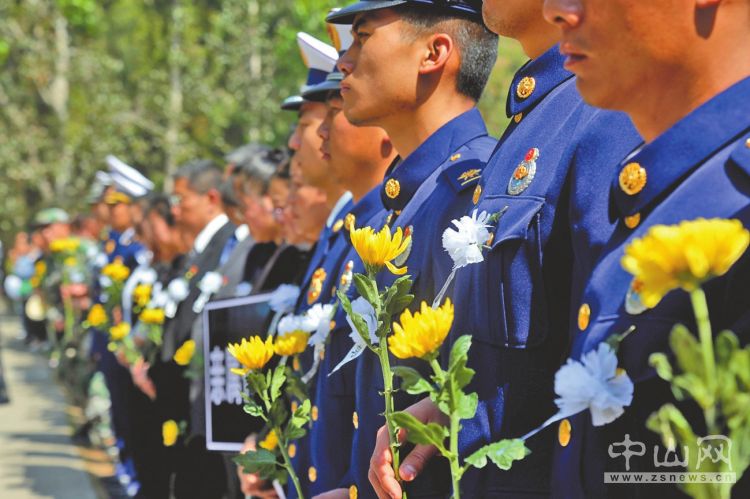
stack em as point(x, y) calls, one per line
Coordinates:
point(417, 69)
point(658, 62)
point(514, 302)
point(358, 159)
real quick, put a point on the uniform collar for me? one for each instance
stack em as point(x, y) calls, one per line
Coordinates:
point(404, 178)
point(535, 80)
point(367, 206)
point(127, 237)
point(338, 208)
point(684, 147)
point(203, 239)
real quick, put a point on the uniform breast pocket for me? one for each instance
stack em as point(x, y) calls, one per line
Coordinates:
point(516, 307)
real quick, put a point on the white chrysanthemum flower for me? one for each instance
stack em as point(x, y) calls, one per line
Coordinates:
point(464, 243)
point(284, 298)
point(211, 282)
point(291, 323)
point(364, 309)
point(594, 384)
point(320, 316)
point(178, 290)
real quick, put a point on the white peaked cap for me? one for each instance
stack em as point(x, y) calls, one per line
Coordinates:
point(127, 179)
point(340, 34)
point(316, 54)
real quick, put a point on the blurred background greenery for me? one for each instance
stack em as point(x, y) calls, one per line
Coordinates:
point(155, 82)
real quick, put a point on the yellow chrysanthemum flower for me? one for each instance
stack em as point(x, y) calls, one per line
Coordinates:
point(119, 332)
point(683, 256)
point(153, 316)
point(378, 249)
point(116, 271)
point(270, 442)
point(421, 334)
point(97, 316)
point(69, 245)
point(253, 354)
point(70, 261)
point(40, 268)
point(142, 295)
point(291, 343)
point(169, 432)
point(185, 353)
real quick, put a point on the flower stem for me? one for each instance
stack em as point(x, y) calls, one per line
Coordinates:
point(700, 308)
point(453, 458)
point(385, 366)
point(289, 467)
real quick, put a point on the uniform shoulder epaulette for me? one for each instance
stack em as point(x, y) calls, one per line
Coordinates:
point(464, 171)
point(741, 154)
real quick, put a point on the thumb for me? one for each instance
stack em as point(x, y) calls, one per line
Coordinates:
point(415, 462)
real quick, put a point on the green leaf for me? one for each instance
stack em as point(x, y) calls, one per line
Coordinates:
point(253, 409)
point(277, 381)
point(459, 356)
point(503, 453)
point(295, 387)
point(367, 288)
point(466, 405)
point(615, 340)
point(726, 344)
point(399, 304)
point(302, 415)
point(696, 387)
point(278, 413)
point(740, 365)
point(257, 382)
point(294, 433)
point(260, 461)
point(413, 382)
point(660, 362)
point(687, 350)
point(420, 433)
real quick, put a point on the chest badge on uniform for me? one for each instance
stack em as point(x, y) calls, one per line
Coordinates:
point(316, 285)
point(524, 173)
point(633, 303)
point(392, 188)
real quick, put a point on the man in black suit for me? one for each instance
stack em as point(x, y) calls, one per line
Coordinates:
point(197, 207)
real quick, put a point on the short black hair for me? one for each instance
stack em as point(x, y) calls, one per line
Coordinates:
point(477, 45)
point(202, 175)
point(260, 168)
point(159, 204)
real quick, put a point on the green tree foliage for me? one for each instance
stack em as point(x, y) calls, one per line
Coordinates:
point(155, 82)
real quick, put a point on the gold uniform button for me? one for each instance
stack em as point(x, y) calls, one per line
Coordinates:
point(392, 188)
point(456, 157)
point(292, 450)
point(312, 474)
point(620, 371)
point(477, 194)
point(295, 364)
point(518, 117)
point(355, 420)
point(632, 222)
point(526, 87)
point(295, 405)
point(353, 492)
point(314, 413)
point(563, 433)
point(584, 316)
point(633, 179)
point(747, 143)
